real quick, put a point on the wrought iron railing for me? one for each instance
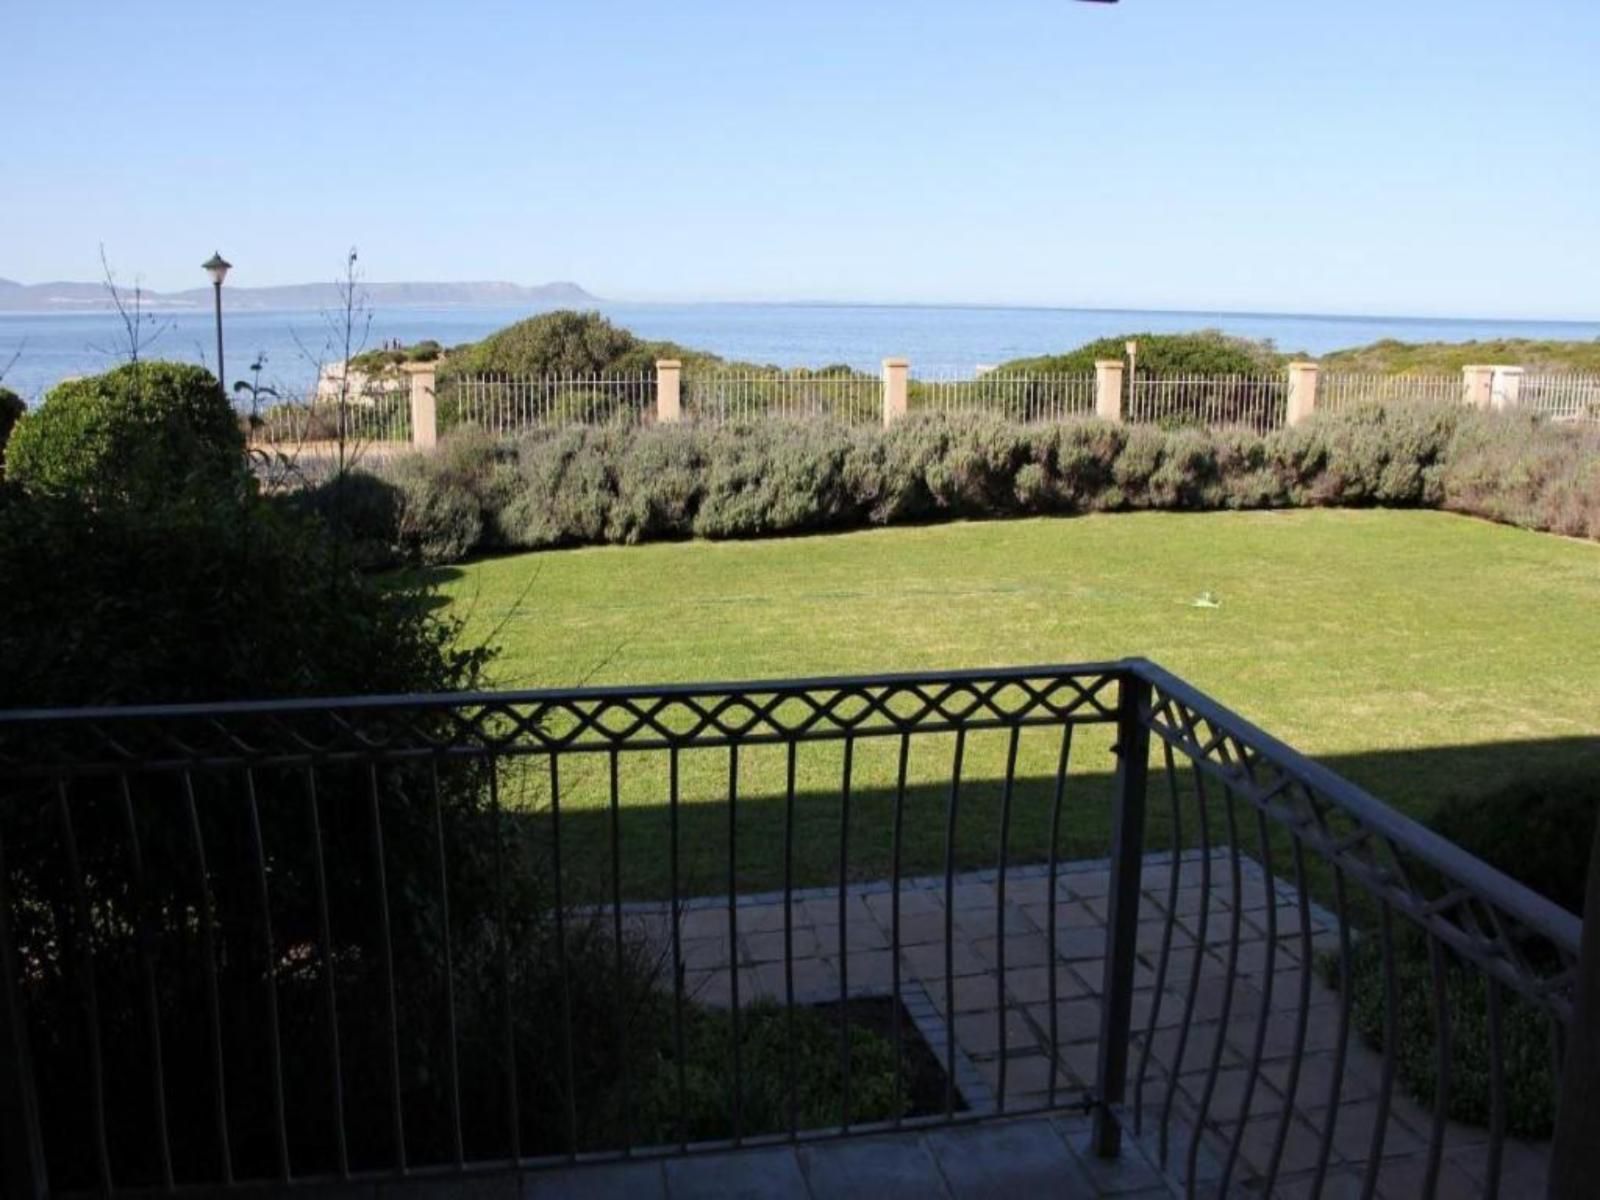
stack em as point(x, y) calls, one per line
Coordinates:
point(429, 936)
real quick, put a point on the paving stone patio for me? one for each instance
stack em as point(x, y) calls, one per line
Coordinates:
point(1024, 1155)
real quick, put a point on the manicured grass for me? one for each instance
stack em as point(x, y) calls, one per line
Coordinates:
point(1417, 652)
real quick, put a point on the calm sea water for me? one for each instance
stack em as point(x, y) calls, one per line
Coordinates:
point(55, 346)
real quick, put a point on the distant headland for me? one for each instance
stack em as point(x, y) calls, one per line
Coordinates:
point(92, 297)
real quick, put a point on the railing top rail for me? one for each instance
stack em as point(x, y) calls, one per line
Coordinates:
point(1516, 900)
point(402, 702)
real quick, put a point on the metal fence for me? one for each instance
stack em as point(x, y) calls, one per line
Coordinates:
point(1561, 397)
point(506, 405)
point(1026, 398)
point(357, 939)
point(742, 397)
point(376, 417)
point(1341, 389)
point(1257, 402)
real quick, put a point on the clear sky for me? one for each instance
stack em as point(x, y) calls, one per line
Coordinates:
point(1391, 156)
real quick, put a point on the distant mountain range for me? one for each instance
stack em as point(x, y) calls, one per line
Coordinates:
point(92, 297)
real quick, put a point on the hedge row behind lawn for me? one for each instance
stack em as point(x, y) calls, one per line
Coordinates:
point(624, 485)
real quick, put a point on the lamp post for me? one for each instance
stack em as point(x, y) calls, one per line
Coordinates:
point(217, 267)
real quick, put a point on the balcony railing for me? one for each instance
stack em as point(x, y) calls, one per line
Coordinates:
point(356, 939)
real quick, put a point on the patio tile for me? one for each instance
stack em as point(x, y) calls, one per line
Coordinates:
point(615, 1181)
point(1015, 1158)
point(767, 1174)
point(876, 1169)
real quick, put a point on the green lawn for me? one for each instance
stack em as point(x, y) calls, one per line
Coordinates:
point(1417, 652)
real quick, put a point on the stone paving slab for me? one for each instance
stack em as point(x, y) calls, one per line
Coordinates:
point(1227, 945)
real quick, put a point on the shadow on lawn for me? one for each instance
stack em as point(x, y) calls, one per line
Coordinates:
point(1414, 781)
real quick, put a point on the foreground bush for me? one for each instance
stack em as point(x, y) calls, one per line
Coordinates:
point(621, 484)
point(131, 434)
point(11, 410)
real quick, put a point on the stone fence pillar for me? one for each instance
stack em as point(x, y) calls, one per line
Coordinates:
point(895, 371)
point(424, 404)
point(1505, 388)
point(1477, 385)
point(669, 390)
point(1302, 392)
point(1108, 389)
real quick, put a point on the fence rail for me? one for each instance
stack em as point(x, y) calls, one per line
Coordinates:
point(507, 405)
point(353, 939)
point(1562, 397)
point(1257, 402)
point(1342, 389)
point(738, 398)
point(380, 416)
point(1026, 398)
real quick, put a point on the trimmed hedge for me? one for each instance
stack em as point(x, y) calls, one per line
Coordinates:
point(620, 484)
point(131, 434)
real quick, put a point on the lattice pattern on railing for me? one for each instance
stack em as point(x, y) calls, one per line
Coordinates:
point(333, 939)
point(1440, 965)
point(541, 722)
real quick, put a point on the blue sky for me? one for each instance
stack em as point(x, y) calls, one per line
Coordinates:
point(1424, 156)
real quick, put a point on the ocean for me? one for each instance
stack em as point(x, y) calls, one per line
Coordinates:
point(54, 346)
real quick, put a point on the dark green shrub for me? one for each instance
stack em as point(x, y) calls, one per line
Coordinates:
point(1526, 472)
point(660, 482)
point(1209, 352)
point(563, 489)
point(437, 517)
point(776, 477)
point(361, 510)
point(11, 410)
point(134, 433)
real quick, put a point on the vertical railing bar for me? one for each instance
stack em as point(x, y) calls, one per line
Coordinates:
point(387, 949)
point(452, 1053)
point(1164, 956)
point(894, 925)
point(733, 941)
point(1437, 967)
point(616, 934)
point(1054, 901)
point(1302, 1014)
point(677, 949)
point(844, 944)
point(329, 993)
point(1000, 909)
point(158, 1084)
point(213, 1000)
point(1123, 900)
point(1202, 928)
point(569, 1071)
point(1269, 969)
point(1391, 1035)
point(26, 1171)
point(503, 953)
point(1497, 1090)
point(949, 925)
point(788, 946)
point(1341, 1051)
point(84, 931)
point(274, 1037)
point(1231, 974)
